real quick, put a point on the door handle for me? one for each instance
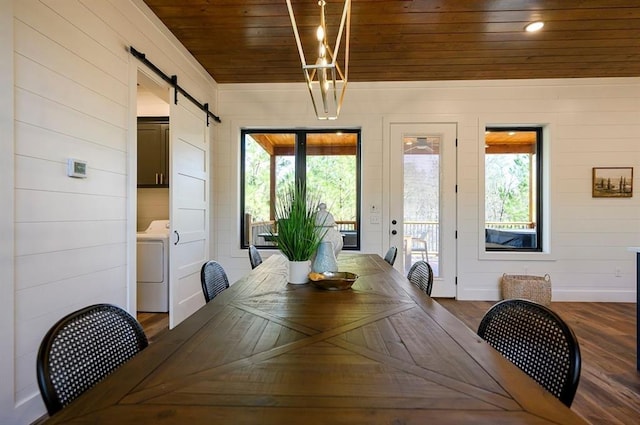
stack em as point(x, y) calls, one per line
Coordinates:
point(178, 239)
point(394, 232)
point(394, 222)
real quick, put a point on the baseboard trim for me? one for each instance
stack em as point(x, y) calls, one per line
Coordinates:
point(619, 296)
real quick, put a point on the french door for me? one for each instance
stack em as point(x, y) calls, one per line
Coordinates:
point(422, 212)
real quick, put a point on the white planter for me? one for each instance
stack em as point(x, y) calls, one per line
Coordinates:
point(299, 271)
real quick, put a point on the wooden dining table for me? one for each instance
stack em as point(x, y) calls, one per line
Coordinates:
point(268, 352)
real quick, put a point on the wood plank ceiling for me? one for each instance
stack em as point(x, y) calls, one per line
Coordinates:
point(251, 41)
point(316, 143)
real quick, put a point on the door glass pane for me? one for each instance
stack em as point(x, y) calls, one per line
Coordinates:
point(332, 175)
point(269, 164)
point(422, 200)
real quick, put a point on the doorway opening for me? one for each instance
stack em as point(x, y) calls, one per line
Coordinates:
point(152, 209)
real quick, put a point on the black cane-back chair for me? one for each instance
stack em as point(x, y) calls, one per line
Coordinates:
point(390, 256)
point(83, 348)
point(214, 279)
point(421, 275)
point(538, 341)
point(254, 257)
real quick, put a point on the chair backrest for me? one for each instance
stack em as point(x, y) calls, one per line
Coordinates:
point(214, 279)
point(390, 256)
point(254, 257)
point(538, 341)
point(421, 275)
point(82, 348)
point(422, 236)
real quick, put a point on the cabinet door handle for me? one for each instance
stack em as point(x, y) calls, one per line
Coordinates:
point(178, 237)
point(161, 178)
point(156, 178)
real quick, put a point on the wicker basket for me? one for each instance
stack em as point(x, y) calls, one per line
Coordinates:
point(533, 288)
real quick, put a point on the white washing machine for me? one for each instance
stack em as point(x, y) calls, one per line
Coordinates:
point(153, 267)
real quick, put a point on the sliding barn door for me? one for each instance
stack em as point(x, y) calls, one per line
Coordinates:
point(189, 206)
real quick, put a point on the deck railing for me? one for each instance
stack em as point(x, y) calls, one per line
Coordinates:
point(423, 233)
point(262, 227)
point(510, 225)
point(346, 225)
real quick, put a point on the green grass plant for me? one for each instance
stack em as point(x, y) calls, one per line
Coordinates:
point(298, 236)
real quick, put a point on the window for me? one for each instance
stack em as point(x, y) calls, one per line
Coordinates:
point(513, 202)
point(326, 161)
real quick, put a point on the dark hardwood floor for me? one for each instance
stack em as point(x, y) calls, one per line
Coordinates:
point(154, 324)
point(609, 390)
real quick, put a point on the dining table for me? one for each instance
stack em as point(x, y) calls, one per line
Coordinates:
point(268, 352)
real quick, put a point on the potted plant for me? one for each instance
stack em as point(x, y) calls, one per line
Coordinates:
point(297, 234)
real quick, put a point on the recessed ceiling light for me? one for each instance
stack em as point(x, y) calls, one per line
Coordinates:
point(534, 26)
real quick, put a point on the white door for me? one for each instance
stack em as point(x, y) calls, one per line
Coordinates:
point(189, 207)
point(422, 216)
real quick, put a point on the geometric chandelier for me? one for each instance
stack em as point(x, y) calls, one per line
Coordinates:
point(325, 79)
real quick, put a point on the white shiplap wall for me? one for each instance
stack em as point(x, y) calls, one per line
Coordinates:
point(7, 320)
point(74, 98)
point(589, 122)
point(153, 204)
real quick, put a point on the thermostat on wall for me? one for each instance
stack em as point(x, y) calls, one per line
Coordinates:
point(76, 168)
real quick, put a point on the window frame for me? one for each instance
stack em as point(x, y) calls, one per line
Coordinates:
point(300, 171)
point(539, 184)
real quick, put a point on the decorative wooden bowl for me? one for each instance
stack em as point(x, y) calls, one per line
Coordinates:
point(333, 281)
